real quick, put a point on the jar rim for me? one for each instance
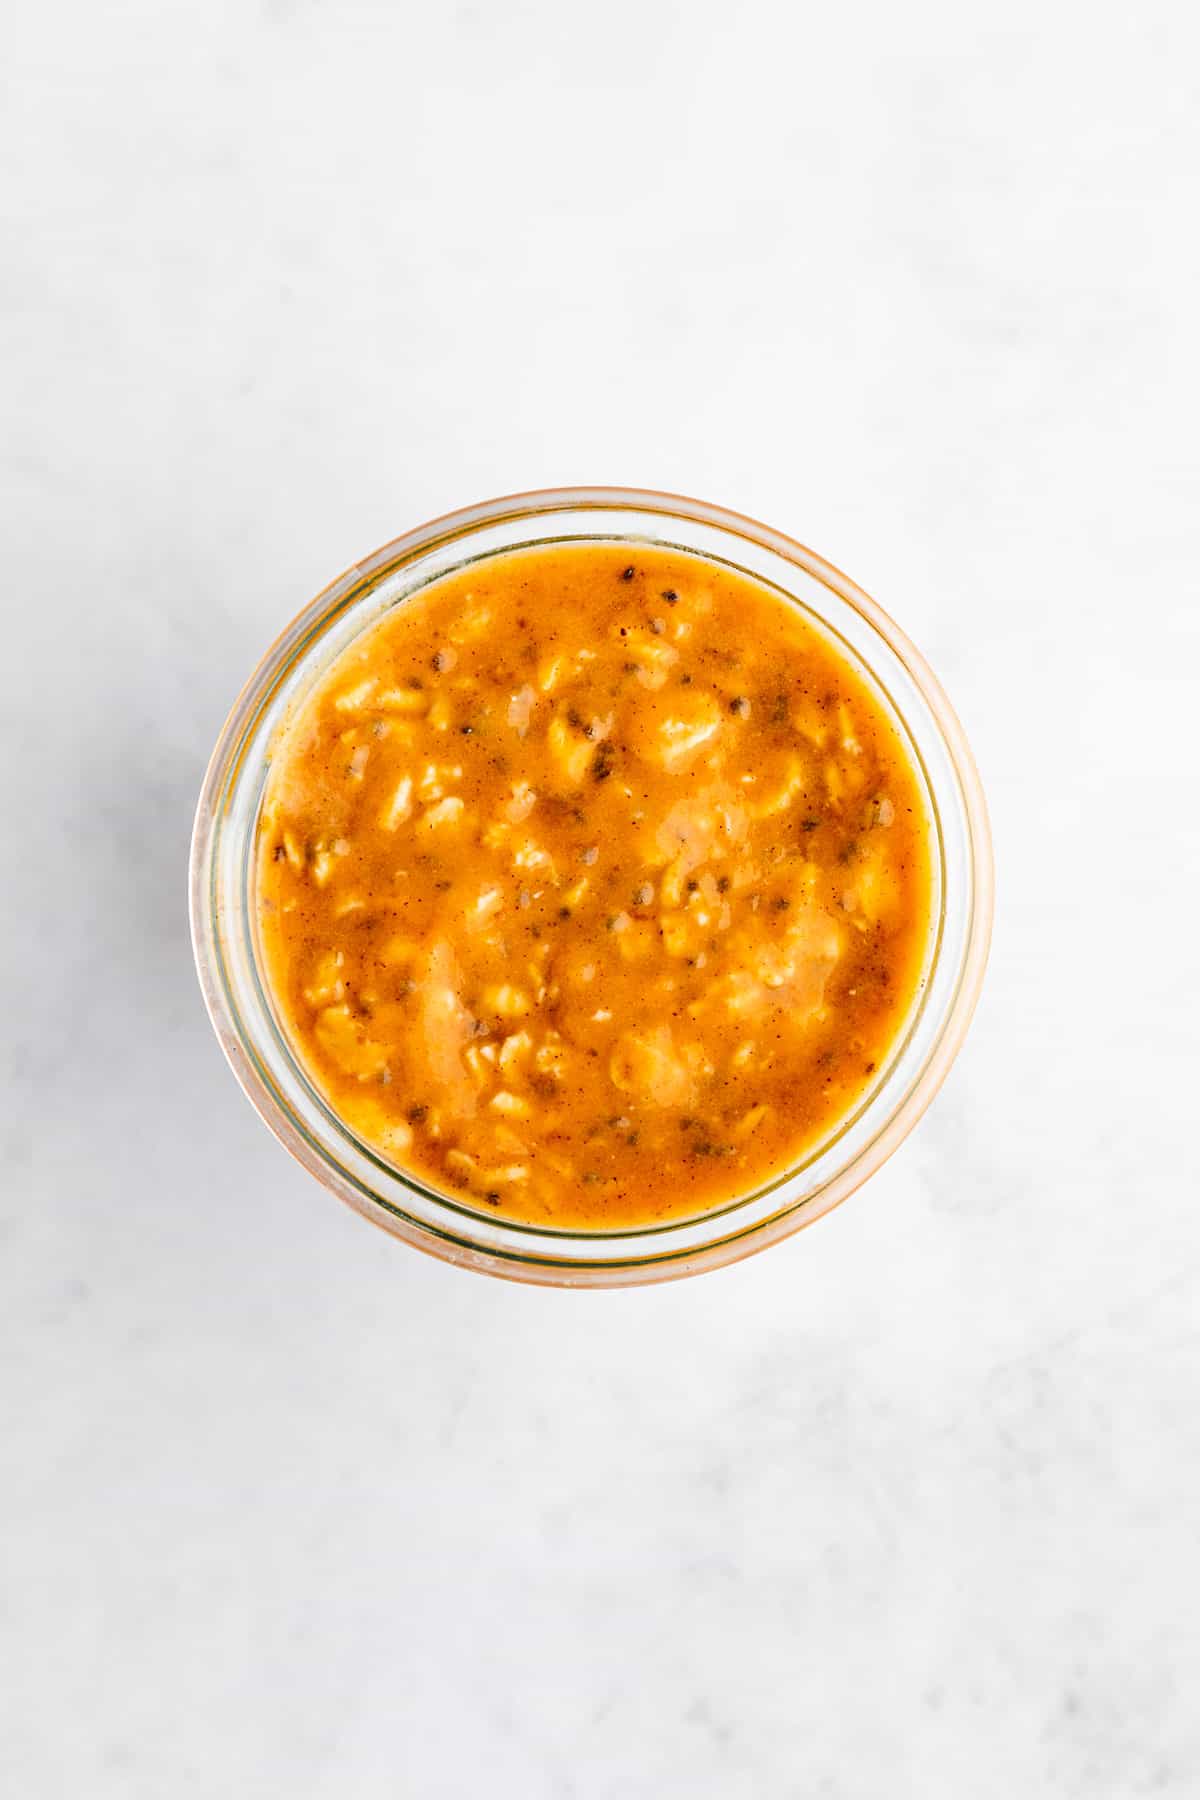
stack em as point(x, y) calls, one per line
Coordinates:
point(399, 1201)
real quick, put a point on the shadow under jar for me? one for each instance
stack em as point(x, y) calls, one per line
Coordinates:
point(591, 887)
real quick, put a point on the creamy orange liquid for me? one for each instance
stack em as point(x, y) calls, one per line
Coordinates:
point(593, 885)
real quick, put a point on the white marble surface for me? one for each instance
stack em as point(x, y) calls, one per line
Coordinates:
point(906, 1507)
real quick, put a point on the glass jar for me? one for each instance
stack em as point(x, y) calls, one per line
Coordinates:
point(224, 917)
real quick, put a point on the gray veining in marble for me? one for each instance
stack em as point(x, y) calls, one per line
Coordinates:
point(908, 1506)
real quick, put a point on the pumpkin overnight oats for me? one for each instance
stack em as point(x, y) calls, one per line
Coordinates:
point(593, 885)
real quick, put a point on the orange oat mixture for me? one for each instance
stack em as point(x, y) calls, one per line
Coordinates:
point(593, 885)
